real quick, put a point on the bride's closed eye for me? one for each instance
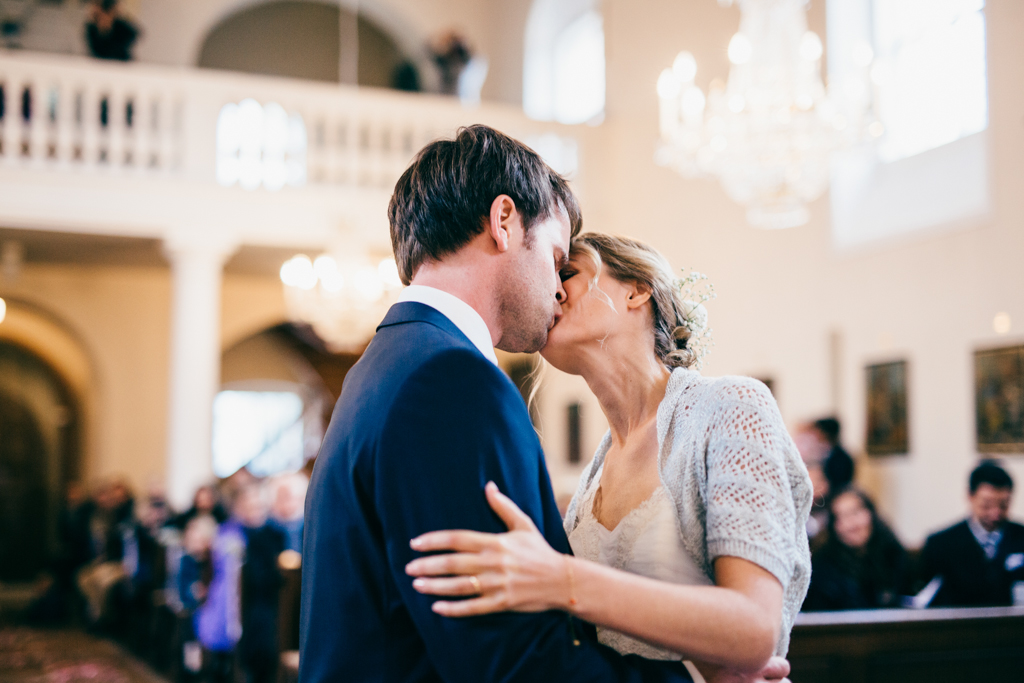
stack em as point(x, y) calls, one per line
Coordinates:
point(567, 273)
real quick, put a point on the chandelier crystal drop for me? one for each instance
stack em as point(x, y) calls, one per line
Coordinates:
point(343, 298)
point(769, 132)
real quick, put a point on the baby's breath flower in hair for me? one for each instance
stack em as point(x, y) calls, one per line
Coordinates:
point(695, 290)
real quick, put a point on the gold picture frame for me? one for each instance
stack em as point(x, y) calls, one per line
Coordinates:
point(999, 399)
point(887, 424)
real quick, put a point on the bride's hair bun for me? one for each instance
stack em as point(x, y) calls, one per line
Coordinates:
point(678, 321)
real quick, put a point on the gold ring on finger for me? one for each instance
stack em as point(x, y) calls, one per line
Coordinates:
point(478, 589)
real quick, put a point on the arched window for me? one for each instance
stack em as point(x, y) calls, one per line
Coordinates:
point(564, 67)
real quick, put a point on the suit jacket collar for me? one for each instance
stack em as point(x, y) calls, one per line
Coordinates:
point(415, 312)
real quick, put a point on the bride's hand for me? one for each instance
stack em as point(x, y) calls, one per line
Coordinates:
point(514, 571)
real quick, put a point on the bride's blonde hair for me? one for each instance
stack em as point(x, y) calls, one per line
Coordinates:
point(628, 260)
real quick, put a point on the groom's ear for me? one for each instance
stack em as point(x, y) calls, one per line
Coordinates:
point(502, 221)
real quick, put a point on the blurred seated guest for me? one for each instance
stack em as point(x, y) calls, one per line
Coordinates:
point(261, 585)
point(244, 556)
point(838, 466)
point(980, 561)
point(813, 450)
point(109, 34)
point(194, 576)
point(286, 509)
point(861, 564)
point(205, 502)
point(74, 551)
point(155, 511)
point(112, 518)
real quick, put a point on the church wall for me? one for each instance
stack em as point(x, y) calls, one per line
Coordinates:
point(782, 295)
point(120, 315)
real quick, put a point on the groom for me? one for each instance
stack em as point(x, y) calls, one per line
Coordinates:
point(480, 228)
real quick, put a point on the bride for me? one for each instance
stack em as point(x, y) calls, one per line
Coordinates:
point(688, 527)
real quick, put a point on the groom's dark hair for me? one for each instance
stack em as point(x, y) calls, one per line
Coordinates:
point(444, 198)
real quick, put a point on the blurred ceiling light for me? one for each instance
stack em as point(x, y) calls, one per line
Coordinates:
point(342, 297)
point(3, 310)
point(767, 134)
point(1002, 323)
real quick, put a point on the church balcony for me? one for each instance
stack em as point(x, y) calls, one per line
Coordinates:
point(89, 146)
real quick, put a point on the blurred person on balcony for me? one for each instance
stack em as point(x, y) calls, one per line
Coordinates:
point(288, 498)
point(451, 54)
point(979, 561)
point(108, 33)
point(861, 564)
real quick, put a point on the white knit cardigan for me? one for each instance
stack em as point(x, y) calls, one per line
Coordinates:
point(736, 479)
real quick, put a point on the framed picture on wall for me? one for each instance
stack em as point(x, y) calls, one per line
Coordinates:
point(999, 400)
point(887, 431)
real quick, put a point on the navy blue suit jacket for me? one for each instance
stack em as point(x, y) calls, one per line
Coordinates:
point(423, 422)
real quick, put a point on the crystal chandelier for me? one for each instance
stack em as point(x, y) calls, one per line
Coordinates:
point(769, 132)
point(343, 298)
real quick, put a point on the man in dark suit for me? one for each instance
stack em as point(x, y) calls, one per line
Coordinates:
point(980, 560)
point(480, 228)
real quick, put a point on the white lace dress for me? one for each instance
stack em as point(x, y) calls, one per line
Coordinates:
point(646, 542)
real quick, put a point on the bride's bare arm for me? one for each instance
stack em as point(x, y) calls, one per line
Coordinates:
point(734, 624)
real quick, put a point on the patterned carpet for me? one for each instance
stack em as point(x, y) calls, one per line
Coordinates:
point(66, 656)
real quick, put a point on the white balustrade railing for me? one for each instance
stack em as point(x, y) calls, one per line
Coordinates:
point(83, 116)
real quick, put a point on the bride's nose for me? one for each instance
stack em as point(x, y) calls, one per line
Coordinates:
point(560, 295)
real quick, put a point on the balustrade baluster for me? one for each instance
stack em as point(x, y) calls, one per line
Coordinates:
point(4, 146)
point(78, 128)
point(129, 135)
point(153, 134)
point(52, 123)
point(26, 121)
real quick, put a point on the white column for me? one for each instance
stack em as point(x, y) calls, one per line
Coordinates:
point(196, 270)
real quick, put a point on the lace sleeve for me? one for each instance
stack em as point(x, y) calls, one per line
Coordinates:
point(752, 505)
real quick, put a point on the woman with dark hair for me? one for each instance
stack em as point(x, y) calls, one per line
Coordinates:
point(862, 564)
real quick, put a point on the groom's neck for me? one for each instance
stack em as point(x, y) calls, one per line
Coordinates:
point(470, 282)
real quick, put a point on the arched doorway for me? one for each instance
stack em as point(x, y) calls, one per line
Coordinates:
point(39, 455)
point(301, 39)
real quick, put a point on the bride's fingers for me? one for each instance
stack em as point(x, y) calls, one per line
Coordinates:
point(452, 564)
point(514, 518)
point(468, 608)
point(459, 539)
point(454, 586)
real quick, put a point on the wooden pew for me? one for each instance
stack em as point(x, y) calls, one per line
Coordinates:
point(909, 646)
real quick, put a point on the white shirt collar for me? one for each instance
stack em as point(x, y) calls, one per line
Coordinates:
point(462, 315)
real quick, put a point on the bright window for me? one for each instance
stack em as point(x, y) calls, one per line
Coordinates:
point(260, 145)
point(579, 70)
point(931, 73)
point(260, 430)
point(564, 66)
